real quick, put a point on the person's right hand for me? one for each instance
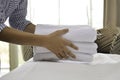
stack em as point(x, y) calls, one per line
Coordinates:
point(54, 41)
point(57, 44)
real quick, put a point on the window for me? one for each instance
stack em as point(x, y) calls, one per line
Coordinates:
point(4, 56)
point(67, 12)
point(97, 13)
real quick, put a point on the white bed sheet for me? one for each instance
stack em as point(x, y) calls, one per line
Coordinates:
point(104, 67)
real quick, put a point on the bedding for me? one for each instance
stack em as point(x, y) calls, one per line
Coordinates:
point(103, 67)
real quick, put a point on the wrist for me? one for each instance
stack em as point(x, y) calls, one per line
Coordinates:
point(40, 40)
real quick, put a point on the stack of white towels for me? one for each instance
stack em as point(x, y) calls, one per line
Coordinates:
point(82, 36)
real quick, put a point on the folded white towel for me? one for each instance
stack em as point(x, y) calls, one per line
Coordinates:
point(76, 33)
point(52, 57)
point(81, 36)
point(49, 26)
point(89, 48)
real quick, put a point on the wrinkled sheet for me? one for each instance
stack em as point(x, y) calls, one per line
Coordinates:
point(103, 67)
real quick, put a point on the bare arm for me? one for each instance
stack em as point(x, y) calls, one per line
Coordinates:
point(12, 35)
point(54, 42)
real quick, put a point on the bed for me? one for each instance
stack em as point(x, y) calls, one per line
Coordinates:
point(103, 67)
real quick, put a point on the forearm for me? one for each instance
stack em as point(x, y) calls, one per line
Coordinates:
point(53, 42)
point(22, 38)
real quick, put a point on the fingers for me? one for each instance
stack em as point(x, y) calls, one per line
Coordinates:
point(60, 32)
point(70, 44)
point(63, 53)
point(60, 54)
point(57, 54)
point(69, 53)
point(73, 46)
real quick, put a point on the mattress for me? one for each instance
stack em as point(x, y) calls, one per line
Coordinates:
point(103, 67)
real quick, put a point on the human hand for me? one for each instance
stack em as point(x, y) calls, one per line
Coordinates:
point(57, 44)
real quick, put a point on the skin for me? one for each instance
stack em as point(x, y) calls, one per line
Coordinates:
point(54, 41)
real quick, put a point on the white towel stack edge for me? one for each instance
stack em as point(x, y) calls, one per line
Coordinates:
point(89, 48)
point(75, 34)
point(82, 36)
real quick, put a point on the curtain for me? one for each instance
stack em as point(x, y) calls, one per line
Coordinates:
point(118, 13)
point(13, 56)
point(111, 13)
